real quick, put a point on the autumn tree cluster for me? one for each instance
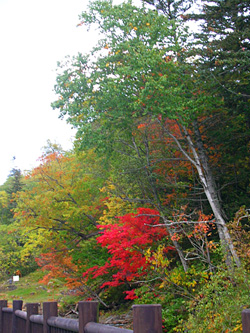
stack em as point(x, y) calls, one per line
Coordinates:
point(152, 203)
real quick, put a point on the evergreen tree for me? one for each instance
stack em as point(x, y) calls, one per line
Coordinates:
point(222, 50)
point(171, 8)
point(13, 185)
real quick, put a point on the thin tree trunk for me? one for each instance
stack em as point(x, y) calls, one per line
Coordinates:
point(209, 186)
point(177, 246)
point(154, 193)
point(200, 161)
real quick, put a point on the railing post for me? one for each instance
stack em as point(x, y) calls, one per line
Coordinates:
point(3, 304)
point(147, 318)
point(17, 305)
point(32, 308)
point(49, 310)
point(88, 312)
point(245, 315)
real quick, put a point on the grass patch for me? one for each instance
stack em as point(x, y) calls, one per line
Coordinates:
point(30, 290)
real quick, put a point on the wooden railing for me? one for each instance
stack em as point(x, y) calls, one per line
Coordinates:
point(146, 318)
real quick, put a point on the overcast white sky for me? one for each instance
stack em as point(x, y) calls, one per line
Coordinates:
point(34, 35)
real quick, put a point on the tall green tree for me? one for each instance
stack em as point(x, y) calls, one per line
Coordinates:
point(140, 72)
point(222, 52)
point(13, 185)
point(171, 8)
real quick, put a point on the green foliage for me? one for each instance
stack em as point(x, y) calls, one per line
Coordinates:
point(171, 8)
point(15, 252)
point(63, 198)
point(4, 211)
point(168, 285)
point(217, 306)
point(13, 185)
point(173, 306)
point(239, 228)
point(222, 52)
point(134, 66)
point(114, 297)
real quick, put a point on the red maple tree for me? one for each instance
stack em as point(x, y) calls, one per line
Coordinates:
point(126, 242)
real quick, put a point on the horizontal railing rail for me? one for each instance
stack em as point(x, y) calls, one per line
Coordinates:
point(36, 324)
point(37, 319)
point(21, 314)
point(71, 325)
point(7, 310)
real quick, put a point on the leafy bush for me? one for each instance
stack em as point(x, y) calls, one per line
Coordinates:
point(218, 306)
point(173, 306)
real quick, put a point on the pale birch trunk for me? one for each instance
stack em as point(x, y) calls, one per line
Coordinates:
point(209, 186)
point(200, 161)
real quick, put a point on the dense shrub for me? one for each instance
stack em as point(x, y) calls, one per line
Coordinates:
point(218, 306)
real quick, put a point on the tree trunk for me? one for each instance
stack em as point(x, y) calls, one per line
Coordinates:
point(177, 247)
point(200, 161)
point(209, 186)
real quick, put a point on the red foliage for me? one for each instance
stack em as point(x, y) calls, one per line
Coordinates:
point(130, 294)
point(126, 242)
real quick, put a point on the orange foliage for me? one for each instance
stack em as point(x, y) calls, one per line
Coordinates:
point(59, 264)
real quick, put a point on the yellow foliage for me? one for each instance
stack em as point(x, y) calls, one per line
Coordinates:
point(3, 199)
point(160, 264)
point(115, 206)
